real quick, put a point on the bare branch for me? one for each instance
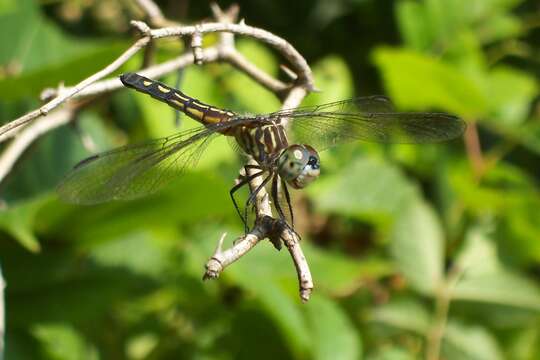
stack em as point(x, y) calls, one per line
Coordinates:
point(305, 281)
point(156, 71)
point(155, 16)
point(299, 64)
point(28, 135)
point(65, 95)
point(241, 63)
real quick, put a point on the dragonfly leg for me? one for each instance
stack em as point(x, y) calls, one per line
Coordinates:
point(288, 199)
point(275, 199)
point(277, 204)
point(246, 179)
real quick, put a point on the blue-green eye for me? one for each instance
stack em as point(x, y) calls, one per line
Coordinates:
point(313, 162)
point(299, 165)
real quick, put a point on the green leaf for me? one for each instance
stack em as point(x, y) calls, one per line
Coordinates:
point(52, 157)
point(184, 201)
point(19, 221)
point(69, 69)
point(7, 7)
point(283, 309)
point(337, 273)
point(469, 343)
point(484, 279)
point(403, 314)
point(499, 27)
point(63, 342)
point(138, 251)
point(525, 344)
point(510, 93)
point(413, 26)
point(420, 82)
point(260, 55)
point(333, 334)
point(418, 247)
point(355, 191)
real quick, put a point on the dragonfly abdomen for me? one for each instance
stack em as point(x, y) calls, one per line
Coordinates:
point(262, 142)
point(193, 108)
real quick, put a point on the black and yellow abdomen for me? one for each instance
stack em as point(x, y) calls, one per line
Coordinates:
point(193, 108)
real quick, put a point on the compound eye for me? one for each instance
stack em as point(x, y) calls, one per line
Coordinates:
point(313, 162)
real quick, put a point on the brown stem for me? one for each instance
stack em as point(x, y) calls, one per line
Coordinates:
point(474, 150)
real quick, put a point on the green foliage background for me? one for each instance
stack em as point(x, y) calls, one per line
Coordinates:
point(404, 241)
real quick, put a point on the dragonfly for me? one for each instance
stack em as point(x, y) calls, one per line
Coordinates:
point(284, 145)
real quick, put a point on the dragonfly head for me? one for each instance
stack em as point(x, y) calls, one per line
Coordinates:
point(299, 165)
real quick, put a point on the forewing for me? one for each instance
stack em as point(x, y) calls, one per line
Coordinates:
point(370, 119)
point(136, 170)
point(365, 104)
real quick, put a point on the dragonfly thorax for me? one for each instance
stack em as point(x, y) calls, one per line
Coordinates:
point(299, 165)
point(264, 143)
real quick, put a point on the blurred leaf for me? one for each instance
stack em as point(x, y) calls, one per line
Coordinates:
point(337, 274)
point(19, 220)
point(418, 247)
point(510, 93)
point(412, 24)
point(500, 26)
point(141, 346)
point(429, 24)
point(333, 335)
point(7, 6)
point(283, 310)
point(260, 55)
point(508, 193)
point(41, 55)
point(183, 201)
point(420, 82)
point(469, 342)
point(365, 188)
point(525, 344)
point(484, 279)
point(392, 353)
point(250, 96)
point(333, 78)
point(403, 314)
point(137, 251)
point(49, 159)
point(69, 69)
point(63, 342)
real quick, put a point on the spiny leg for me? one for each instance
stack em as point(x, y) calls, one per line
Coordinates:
point(277, 204)
point(288, 199)
point(244, 180)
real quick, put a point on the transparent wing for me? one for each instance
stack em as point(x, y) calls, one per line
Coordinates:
point(369, 119)
point(136, 170)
